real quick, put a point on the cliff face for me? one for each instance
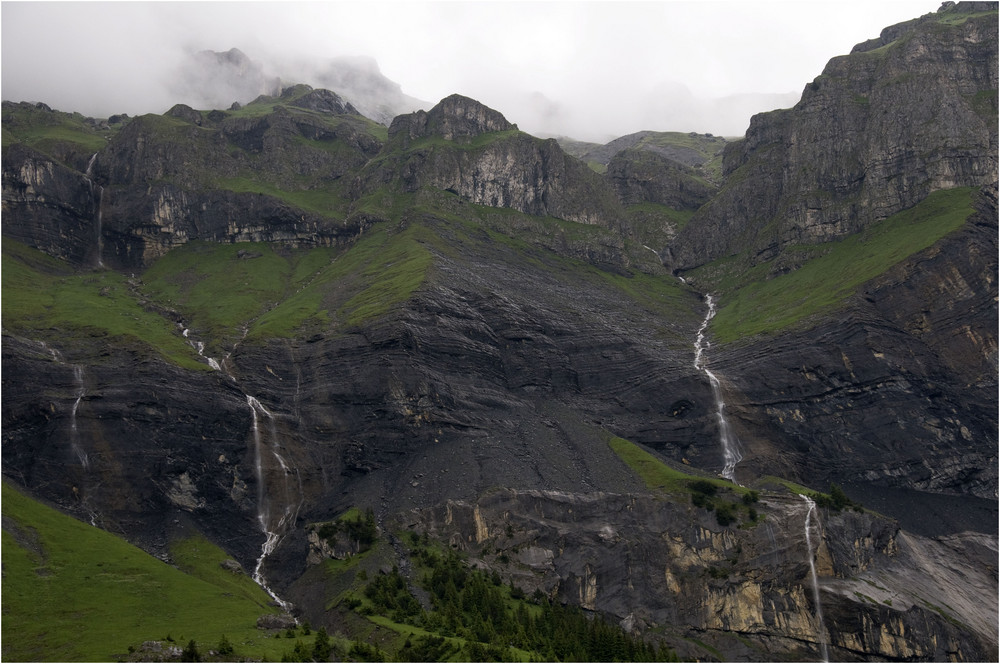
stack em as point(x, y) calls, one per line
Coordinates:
point(883, 398)
point(876, 132)
point(745, 591)
point(465, 148)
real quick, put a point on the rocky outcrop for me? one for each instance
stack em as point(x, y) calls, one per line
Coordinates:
point(49, 205)
point(463, 147)
point(642, 176)
point(454, 118)
point(324, 101)
point(671, 568)
point(162, 181)
point(875, 133)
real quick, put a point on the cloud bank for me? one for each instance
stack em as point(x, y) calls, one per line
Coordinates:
point(592, 70)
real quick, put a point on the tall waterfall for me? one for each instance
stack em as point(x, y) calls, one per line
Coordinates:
point(730, 444)
point(273, 485)
point(100, 238)
point(74, 433)
point(98, 212)
point(820, 626)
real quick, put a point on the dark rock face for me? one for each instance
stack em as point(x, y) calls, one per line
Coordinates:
point(155, 185)
point(874, 134)
point(875, 395)
point(644, 176)
point(49, 206)
point(325, 101)
point(454, 118)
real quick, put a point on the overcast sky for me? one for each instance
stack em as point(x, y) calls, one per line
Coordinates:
point(593, 70)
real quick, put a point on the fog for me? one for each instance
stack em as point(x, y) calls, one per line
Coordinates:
point(590, 70)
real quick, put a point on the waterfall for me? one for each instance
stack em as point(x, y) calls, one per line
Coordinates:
point(730, 444)
point(271, 528)
point(820, 627)
point(200, 347)
point(74, 434)
point(100, 239)
point(100, 200)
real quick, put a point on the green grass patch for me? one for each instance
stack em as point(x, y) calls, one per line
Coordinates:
point(51, 132)
point(42, 296)
point(222, 288)
point(657, 475)
point(822, 284)
point(72, 592)
point(219, 287)
point(390, 268)
point(201, 559)
point(325, 201)
point(679, 218)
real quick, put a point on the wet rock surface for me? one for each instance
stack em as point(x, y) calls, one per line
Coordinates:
point(833, 164)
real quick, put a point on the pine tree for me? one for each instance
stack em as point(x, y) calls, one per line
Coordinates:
point(321, 647)
point(190, 652)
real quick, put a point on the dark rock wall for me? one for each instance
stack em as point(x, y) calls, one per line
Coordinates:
point(874, 134)
point(899, 390)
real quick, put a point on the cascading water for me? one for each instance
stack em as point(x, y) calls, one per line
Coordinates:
point(74, 433)
point(820, 626)
point(100, 201)
point(200, 347)
point(272, 527)
point(730, 444)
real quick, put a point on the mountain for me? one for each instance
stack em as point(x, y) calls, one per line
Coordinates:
point(215, 79)
point(442, 388)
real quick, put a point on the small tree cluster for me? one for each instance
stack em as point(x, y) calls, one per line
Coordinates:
point(836, 500)
point(361, 528)
point(704, 494)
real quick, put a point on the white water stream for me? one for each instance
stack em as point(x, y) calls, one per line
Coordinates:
point(200, 347)
point(731, 454)
point(273, 525)
point(100, 204)
point(820, 626)
point(74, 433)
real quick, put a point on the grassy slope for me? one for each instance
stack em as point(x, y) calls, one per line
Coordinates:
point(42, 297)
point(78, 593)
point(751, 306)
point(52, 132)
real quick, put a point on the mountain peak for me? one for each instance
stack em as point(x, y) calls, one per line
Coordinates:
point(455, 118)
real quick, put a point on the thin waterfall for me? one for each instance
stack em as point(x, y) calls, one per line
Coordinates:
point(200, 347)
point(272, 529)
point(820, 626)
point(100, 238)
point(74, 433)
point(97, 214)
point(730, 444)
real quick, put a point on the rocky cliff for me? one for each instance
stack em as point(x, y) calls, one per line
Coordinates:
point(747, 591)
point(465, 148)
point(876, 132)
